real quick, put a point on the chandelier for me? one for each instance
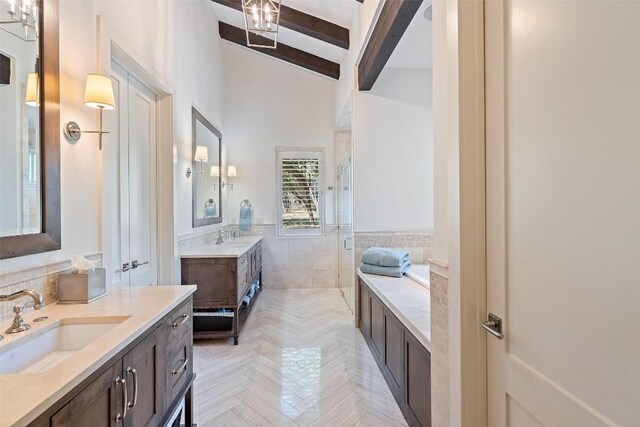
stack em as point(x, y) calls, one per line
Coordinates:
point(22, 12)
point(261, 17)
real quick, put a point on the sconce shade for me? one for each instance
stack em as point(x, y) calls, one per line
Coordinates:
point(215, 170)
point(232, 172)
point(202, 153)
point(32, 97)
point(99, 92)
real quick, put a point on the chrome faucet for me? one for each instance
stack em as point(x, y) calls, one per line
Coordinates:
point(222, 233)
point(18, 324)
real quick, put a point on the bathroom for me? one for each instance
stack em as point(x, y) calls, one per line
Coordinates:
point(188, 158)
point(294, 213)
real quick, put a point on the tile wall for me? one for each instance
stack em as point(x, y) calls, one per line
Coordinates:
point(294, 263)
point(43, 278)
point(419, 244)
point(299, 263)
point(439, 345)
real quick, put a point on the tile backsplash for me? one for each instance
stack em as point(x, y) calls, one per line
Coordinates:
point(419, 244)
point(42, 278)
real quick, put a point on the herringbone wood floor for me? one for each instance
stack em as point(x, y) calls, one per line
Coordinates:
point(300, 362)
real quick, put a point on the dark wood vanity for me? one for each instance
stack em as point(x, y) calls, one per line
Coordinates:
point(142, 385)
point(223, 281)
point(404, 362)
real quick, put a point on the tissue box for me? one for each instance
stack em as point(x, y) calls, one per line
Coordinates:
point(82, 287)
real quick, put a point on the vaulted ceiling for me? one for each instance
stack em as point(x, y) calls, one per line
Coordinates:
point(313, 34)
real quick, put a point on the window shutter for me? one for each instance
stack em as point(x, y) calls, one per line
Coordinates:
point(300, 193)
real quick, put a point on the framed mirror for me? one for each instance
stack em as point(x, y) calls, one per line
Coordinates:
point(29, 128)
point(207, 171)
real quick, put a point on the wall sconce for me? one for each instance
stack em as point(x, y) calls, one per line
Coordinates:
point(99, 95)
point(215, 172)
point(231, 173)
point(201, 155)
point(32, 97)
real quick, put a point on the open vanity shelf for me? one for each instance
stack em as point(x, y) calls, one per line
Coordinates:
point(224, 279)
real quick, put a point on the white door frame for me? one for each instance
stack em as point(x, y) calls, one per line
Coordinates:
point(111, 45)
point(466, 212)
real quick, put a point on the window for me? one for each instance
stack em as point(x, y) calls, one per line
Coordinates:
point(300, 207)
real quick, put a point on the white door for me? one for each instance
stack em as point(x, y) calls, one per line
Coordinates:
point(132, 213)
point(563, 212)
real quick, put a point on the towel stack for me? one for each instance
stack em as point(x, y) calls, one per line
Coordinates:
point(385, 262)
point(246, 300)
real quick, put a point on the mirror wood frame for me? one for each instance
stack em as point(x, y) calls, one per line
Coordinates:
point(196, 116)
point(49, 238)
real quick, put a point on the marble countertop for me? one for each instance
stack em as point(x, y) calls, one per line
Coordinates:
point(24, 396)
point(408, 300)
point(224, 250)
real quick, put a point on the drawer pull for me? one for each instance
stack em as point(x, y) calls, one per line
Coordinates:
point(125, 399)
point(182, 366)
point(181, 322)
point(244, 261)
point(133, 372)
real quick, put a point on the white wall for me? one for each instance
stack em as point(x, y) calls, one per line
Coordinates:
point(440, 111)
point(393, 139)
point(273, 104)
point(16, 118)
point(393, 153)
point(179, 42)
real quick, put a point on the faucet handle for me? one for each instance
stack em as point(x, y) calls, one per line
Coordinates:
point(18, 324)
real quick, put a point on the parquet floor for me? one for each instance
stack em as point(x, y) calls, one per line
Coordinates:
point(300, 362)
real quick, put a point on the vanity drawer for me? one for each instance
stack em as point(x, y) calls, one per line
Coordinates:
point(243, 261)
point(180, 364)
point(243, 283)
point(179, 322)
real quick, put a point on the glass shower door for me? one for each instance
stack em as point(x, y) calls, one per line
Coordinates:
point(346, 269)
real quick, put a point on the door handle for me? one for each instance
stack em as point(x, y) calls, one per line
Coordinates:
point(344, 243)
point(125, 268)
point(494, 326)
point(135, 264)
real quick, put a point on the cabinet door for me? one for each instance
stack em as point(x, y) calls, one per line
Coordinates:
point(418, 381)
point(144, 372)
point(377, 327)
point(394, 353)
point(365, 310)
point(216, 280)
point(98, 405)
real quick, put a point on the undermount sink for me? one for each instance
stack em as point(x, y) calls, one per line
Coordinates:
point(42, 350)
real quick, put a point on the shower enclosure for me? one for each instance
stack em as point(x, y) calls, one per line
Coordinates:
point(346, 269)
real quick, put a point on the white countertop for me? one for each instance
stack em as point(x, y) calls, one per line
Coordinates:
point(224, 250)
point(25, 396)
point(408, 300)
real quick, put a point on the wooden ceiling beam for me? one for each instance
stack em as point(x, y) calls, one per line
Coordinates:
point(395, 17)
point(282, 51)
point(305, 24)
